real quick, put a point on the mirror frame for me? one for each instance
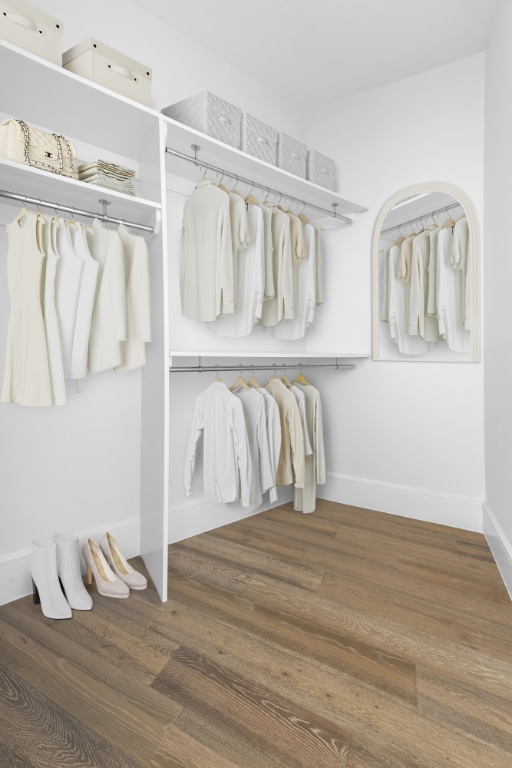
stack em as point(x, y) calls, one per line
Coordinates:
point(474, 234)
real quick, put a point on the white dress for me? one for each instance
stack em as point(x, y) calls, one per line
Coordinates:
point(450, 295)
point(51, 321)
point(67, 290)
point(27, 373)
point(86, 294)
point(108, 326)
point(138, 300)
point(398, 307)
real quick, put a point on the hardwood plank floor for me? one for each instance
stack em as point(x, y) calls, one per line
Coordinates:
point(343, 638)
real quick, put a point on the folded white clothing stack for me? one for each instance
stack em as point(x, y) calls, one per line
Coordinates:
point(108, 175)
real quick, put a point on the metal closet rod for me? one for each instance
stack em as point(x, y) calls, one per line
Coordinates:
point(423, 216)
point(76, 211)
point(263, 187)
point(240, 368)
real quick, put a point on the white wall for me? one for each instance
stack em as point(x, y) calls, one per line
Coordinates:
point(498, 274)
point(405, 437)
point(180, 67)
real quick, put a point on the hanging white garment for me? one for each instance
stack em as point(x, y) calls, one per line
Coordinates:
point(462, 260)
point(304, 292)
point(281, 306)
point(27, 373)
point(398, 308)
point(268, 247)
point(108, 326)
point(85, 304)
point(319, 298)
point(299, 396)
point(450, 294)
point(206, 260)
point(304, 500)
point(274, 436)
point(291, 456)
point(255, 420)
point(67, 290)
point(240, 234)
point(298, 246)
point(227, 471)
point(51, 321)
point(420, 322)
point(138, 300)
point(250, 277)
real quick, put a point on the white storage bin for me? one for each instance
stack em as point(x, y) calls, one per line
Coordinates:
point(321, 170)
point(291, 155)
point(31, 29)
point(259, 139)
point(110, 68)
point(209, 114)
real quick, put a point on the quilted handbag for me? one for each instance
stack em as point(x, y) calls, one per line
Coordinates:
point(47, 151)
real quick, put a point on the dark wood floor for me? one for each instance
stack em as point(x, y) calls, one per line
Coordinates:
point(346, 637)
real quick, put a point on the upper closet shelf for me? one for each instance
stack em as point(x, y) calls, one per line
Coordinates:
point(75, 196)
point(186, 145)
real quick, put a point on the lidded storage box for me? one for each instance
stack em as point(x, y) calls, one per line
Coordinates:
point(259, 139)
point(106, 66)
point(321, 170)
point(31, 29)
point(209, 114)
point(291, 155)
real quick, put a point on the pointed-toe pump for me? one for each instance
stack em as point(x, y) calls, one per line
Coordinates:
point(68, 568)
point(45, 580)
point(120, 565)
point(107, 583)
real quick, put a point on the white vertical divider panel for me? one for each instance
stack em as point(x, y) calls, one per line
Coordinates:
point(155, 398)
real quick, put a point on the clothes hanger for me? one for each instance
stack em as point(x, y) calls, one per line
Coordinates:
point(400, 239)
point(301, 379)
point(286, 381)
point(239, 382)
point(250, 199)
point(253, 382)
point(302, 216)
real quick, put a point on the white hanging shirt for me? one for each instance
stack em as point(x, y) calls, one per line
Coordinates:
point(420, 322)
point(255, 420)
point(304, 500)
point(462, 259)
point(281, 307)
point(270, 290)
point(273, 434)
point(304, 292)
point(227, 471)
point(206, 263)
point(398, 308)
point(240, 235)
point(250, 278)
point(108, 325)
point(450, 294)
point(138, 300)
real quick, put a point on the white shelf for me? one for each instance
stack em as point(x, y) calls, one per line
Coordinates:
point(50, 187)
point(180, 138)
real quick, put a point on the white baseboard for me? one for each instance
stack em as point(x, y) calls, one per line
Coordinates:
point(500, 547)
point(416, 503)
point(199, 516)
point(15, 578)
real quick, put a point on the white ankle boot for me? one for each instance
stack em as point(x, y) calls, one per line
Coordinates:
point(68, 568)
point(47, 590)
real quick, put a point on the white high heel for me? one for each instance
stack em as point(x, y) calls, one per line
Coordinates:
point(45, 580)
point(120, 565)
point(107, 583)
point(68, 568)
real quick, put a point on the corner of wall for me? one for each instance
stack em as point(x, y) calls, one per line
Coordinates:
point(501, 548)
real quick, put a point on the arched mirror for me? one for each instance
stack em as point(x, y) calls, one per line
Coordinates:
point(425, 270)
